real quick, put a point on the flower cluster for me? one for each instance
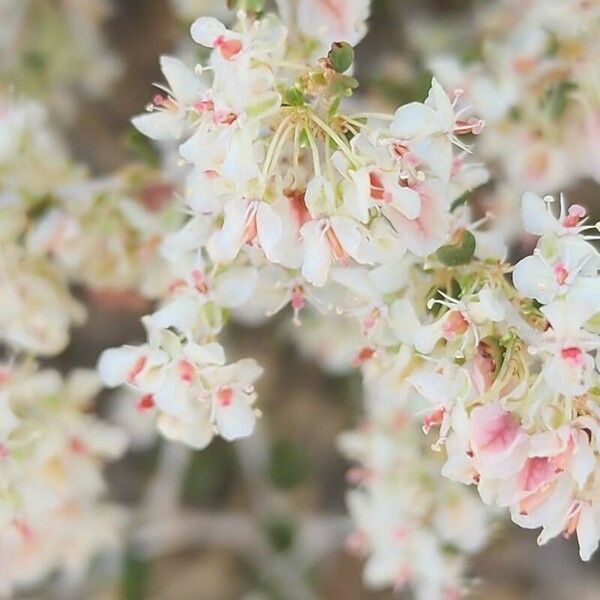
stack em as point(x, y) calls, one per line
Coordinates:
point(414, 528)
point(59, 227)
point(291, 201)
point(511, 374)
point(535, 78)
point(52, 516)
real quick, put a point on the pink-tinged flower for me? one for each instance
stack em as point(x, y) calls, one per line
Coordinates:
point(498, 442)
point(430, 229)
point(327, 21)
point(568, 365)
point(168, 113)
point(329, 240)
point(430, 129)
point(538, 218)
point(211, 33)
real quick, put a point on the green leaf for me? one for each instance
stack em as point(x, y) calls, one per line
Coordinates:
point(135, 577)
point(341, 56)
point(294, 97)
point(466, 198)
point(593, 324)
point(280, 532)
point(342, 85)
point(558, 97)
point(288, 467)
point(251, 6)
point(142, 147)
point(460, 251)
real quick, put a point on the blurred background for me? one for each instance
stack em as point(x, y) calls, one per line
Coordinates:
point(257, 514)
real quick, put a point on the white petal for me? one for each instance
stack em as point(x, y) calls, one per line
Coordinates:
point(439, 101)
point(115, 363)
point(160, 125)
point(206, 30)
point(319, 197)
point(183, 82)
point(588, 533)
point(317, 255)
point(236, 420)
point(583, 461)
point(407, 201)
point(350, 235)
point(269, 228)
point(537, 220)
point(235, 286)
point(181, 313)
point(404, 320)
point(207, 354)
point(247, 371)
point(535, 279)
point(225, 244)
point(414, 120)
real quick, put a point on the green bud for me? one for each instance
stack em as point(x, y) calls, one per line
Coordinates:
point(142, 148)
point(342, 85)
point(341, 56)
point(294, 97)
point(251, 6)
point(460, 251)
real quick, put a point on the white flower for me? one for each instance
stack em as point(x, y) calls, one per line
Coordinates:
point(168, 116)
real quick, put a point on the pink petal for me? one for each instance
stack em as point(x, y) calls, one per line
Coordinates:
point(493, 429)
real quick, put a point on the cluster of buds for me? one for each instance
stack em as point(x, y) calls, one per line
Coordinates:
point(52, 515)
point(535, 79)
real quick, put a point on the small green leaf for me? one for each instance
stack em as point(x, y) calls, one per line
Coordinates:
point(341, 56)
point(135, 577)
point(280, 532)
point(294, 97)
point(142, 147)
point(342, 85)
point(557, 98)
point(593, 324)
point(288, 467)
point(460, 251)
point(466, 198)
point(250, 6)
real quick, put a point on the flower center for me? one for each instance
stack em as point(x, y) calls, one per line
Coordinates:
point(572, 355)
point(225, 396)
